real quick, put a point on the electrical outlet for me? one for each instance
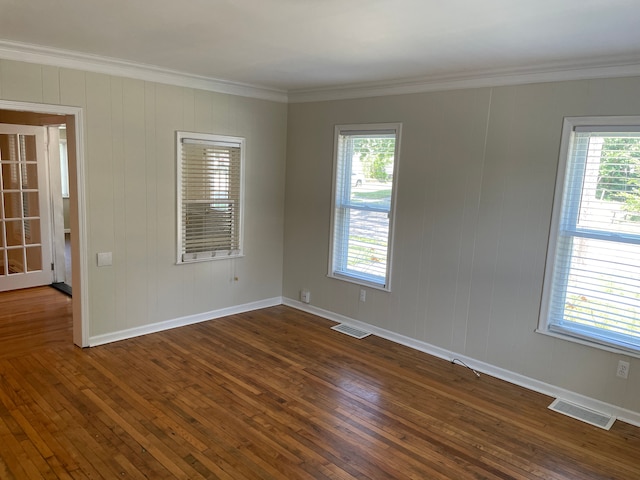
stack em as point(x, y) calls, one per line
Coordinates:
point(623, 369)
point(305, 295)
point(363, 295)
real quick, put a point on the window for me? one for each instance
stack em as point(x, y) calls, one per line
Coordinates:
point(209, 196)
point(64, 168)
point(592, 280)
point(365, 162)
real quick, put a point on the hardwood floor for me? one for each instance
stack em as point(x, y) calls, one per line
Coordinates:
point(271, 394)
point(34, 318)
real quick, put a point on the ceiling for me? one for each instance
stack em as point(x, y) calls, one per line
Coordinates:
point(307, 45)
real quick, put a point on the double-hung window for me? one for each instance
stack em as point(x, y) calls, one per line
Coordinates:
point(592, 279)
point(365, 166)
point(209, 196)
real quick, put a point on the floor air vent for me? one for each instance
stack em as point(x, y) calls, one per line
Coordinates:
point(351, 331)
point(578, 412)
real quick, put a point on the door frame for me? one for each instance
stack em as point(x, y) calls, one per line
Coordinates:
point(77, 207)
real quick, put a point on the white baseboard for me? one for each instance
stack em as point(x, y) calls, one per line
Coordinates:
point(96, 340)
point(620, 413)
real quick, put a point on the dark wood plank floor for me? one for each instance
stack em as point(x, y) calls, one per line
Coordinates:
point(272, 394)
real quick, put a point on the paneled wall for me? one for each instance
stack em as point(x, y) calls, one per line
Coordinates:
point(131, 192)
point(476, 178)
point(475, 189)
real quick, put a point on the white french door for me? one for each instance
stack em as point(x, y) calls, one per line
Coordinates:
point(25, 238)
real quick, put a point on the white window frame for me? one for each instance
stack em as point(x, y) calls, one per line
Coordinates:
point(184, 257)
point(337, 268)
point(547, 324)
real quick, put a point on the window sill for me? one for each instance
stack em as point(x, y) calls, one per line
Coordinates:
point(590, 343)
point(360, 281)
point(209, 258)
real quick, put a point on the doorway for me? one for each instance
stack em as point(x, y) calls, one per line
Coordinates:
point(61, 226)
point(47, 116)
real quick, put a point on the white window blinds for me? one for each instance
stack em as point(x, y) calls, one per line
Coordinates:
point(595, 279)
point(210, 197)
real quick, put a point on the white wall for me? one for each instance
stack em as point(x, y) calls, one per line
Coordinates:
point(131, 192)
point(475, 188)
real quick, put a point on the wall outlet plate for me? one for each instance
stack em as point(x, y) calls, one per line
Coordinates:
point(105, 259)
point(305, 296)
point(623, 369)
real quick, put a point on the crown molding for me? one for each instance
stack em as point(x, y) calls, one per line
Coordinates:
point(602, 67)
point(24, 52)
point(608, 67)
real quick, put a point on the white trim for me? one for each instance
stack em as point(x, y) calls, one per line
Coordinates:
point(363, 282)
point(82, 221)
point(607, 67)
point(601, 67)
point(24, 52)
point(182, 321)
point(588, 343)
point(622, 414)
point(81, 330)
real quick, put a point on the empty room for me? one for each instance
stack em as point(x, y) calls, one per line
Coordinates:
point(320, 239)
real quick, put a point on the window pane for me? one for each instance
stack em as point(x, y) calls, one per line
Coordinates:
point(34, 258)
point(611, 185)
point(365, 251)
point(603, 286)
point(12, 205)
point(29, 149)
point(10, 176)
point(30, 204)
point(372, 195)
point(29, 176)
point(209, 228)
point(14, 233)
point(32, 232)
point(15, 257)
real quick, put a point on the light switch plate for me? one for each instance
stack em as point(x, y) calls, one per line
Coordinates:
point(105, 259)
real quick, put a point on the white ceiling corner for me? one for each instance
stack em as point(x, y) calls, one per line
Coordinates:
point(112, 66)
point(311, 50)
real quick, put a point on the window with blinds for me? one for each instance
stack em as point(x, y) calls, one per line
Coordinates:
point(592, 282)
point(209, 196)
point(365, 162)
